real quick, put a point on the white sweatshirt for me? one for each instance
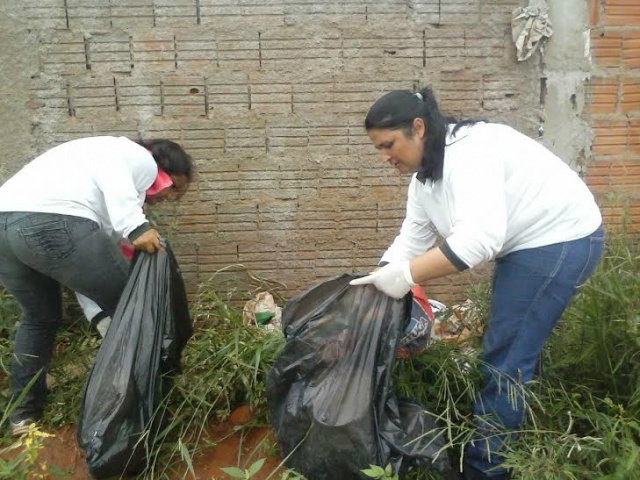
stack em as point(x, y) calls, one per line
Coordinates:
point(501, 192)
point(100, 178)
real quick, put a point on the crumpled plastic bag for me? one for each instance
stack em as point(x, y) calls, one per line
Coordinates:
point(131, 375)
point(262, 313)
point(330, 389)
point(530, 25)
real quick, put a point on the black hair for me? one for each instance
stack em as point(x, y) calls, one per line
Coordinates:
point(396, 111)
point(169, 156)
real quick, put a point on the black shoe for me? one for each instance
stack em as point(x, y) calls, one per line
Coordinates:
point(470, 473)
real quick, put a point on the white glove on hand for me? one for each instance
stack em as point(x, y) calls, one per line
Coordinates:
point(393, 279)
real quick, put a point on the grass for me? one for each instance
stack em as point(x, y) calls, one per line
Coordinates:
point(583, 421)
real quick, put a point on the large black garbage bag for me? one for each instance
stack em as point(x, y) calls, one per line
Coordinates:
point(131, 375)
point(330, 390)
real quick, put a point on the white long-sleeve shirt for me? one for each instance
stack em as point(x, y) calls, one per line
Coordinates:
point(100, 178)
point(501, 192)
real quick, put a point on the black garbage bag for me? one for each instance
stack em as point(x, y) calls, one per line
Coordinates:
point(132, 372)
point(330, 390)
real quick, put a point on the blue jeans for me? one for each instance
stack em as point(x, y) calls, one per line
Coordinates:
point(38, 253)
point(530, 291)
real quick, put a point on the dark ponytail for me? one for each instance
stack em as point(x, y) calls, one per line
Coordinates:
point(169, 156)
point(396, 110)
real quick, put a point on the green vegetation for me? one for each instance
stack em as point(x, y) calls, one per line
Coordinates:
point(583, 422)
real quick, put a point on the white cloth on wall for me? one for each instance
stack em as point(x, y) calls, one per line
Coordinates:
point(530, 26)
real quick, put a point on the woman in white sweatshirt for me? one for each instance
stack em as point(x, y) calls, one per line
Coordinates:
point(58, 217)
point(491, 193)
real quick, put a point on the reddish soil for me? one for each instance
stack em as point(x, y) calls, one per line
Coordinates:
point(226, 454)
point(62, 451)
point(232, 445)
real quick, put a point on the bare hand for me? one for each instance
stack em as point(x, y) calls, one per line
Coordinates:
point(149, 241)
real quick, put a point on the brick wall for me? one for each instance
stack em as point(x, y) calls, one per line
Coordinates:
point(614, 110)
point(270, 98)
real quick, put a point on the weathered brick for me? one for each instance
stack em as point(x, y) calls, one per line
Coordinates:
point(250, 141)
point(498, 11)
point(203, 140)
point(621, 12)
point(46, 14)
point(196, 50)
point(132, 14)
point(594, 12)
point(460, 12)
point(184, 96)
point(602, 95)
point(71, 129)
point(109, 52)
point(485, 42)
point(50, 97)
point(118, 128)
point(88, 14)
point(142, 95)
point(630, 97)
point(610, 138)
point(634, 136)
point(271, 97)
point(239, 50)
point(606, 47)
point(63, 52)
point(176, 13)
point(93, 96)
point(367, 44)
point(631, 49)
point(621, 176)
point(228, 93)
point(293, 48)
point(153, 50)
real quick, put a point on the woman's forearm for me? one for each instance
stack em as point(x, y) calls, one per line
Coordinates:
point(430, 265)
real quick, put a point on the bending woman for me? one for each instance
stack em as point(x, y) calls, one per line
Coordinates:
point(492, 193)
point(57, 217)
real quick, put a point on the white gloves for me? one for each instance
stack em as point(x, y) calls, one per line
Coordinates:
point(393, 279)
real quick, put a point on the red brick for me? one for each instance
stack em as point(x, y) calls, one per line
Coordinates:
point(610, 138)
point(622, 12)
point(634, 136)
point(618, 213)
point(594, 10)
point(631, 49)
point(606, 48)
point(619, 176)
point(630, 99)
point(602, 95)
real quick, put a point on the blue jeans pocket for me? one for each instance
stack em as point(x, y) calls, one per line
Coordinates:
point(50, 240)
point(596, 247)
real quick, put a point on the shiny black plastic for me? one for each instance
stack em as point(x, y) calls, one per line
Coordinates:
point(132, 372)
point(330, 389)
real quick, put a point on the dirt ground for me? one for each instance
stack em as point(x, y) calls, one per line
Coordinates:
point(231, 446)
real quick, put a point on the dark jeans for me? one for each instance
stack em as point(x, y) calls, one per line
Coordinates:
point(38, 253)
point(531, 289)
